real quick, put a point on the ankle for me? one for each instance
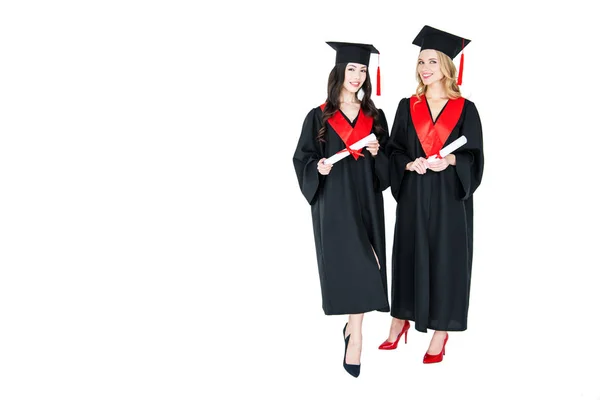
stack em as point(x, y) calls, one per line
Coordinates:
point(354, 330)
point(355, 338)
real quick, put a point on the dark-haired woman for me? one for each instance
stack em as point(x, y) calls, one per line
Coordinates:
point(346, 197)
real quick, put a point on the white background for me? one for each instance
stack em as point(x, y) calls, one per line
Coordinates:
point(154, 242)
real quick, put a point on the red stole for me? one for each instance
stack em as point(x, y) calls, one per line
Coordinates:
point(347, 133)
point(433, 136)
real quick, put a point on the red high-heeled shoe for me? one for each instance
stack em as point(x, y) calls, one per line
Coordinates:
point(430, 359)
point(391, 346)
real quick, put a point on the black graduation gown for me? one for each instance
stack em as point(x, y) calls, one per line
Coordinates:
point(348, 220)
point(433, 236)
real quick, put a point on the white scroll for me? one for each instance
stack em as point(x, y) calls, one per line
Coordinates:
point(449, 149)
point(356, 146)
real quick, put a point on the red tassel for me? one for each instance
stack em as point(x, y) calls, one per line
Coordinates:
point(378, 78)
point(378, 82)
point(460, 67)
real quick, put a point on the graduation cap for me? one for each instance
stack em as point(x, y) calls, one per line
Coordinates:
point(356, 52)
point(447, 43)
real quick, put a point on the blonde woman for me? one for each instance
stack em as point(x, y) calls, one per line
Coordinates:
point(433, 238)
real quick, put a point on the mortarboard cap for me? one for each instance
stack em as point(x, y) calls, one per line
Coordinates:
point(434, 39)
point(353, 52)
point(358, 53)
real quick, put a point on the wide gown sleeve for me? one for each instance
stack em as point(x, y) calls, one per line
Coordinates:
point(397, 147)
point(307, 155)
point(382, 164)
point(469, 158)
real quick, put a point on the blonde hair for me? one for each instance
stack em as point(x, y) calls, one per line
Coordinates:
point(448, 80)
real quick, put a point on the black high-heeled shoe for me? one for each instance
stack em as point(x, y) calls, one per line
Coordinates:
point(352, 369)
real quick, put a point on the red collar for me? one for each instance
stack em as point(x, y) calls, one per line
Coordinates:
point(433, 136)
point(347, 133)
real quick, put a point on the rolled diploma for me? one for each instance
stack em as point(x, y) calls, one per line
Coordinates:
point(450, 148)
point(344, 153)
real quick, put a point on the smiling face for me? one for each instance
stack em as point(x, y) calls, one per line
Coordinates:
point(428, 67)
point(354, 77)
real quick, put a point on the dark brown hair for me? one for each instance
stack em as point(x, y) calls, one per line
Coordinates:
point(334, 89)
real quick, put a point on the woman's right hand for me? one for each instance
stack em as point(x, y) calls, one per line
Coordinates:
point(420, 165)
point(323, 168)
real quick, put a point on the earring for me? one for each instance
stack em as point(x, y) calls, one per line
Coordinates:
point(360, 94)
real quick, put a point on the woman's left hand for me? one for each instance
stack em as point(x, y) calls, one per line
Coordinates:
point(438, 164)
point(373, 147)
